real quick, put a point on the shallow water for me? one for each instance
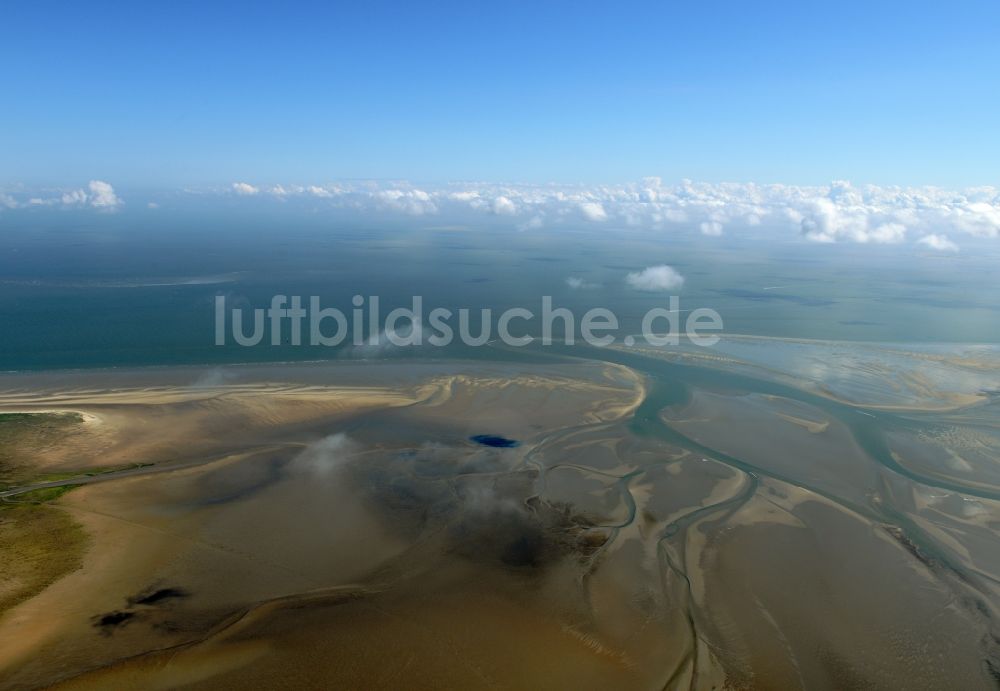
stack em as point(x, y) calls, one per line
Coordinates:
point(139, 288)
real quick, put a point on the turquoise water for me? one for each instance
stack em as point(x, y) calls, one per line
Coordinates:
point(139, 289)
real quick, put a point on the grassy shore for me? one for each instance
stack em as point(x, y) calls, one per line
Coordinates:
point(24, 434)
point(40, 544)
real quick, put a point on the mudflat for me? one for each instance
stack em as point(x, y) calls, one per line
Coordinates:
point(610, 520)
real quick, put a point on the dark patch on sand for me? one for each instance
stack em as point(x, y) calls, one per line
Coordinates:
point(910, 546)
point(156, 596)
point(485, 506)
point(495, 441)
point(151, 600)
point(109, 622)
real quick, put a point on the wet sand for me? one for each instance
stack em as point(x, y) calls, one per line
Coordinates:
point(656, 525)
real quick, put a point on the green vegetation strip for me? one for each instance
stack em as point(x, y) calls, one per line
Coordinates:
point(25, 434)
point(39, 544)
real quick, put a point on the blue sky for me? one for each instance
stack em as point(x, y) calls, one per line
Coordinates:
point(176, 94)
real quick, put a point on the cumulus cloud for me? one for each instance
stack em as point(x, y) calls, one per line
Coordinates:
point(502, 206)
point(245, 189)
point(98, 195)
point(655, 279)
point(594, 211)
point(318, 191)
point(835, 213)
point(888, 233)
point(578, 283)
point(843, 215)
point(979, 217)
point(68, 198)
point(938, 242)
point(102, 195)
point(838, 212)
point(415, 202)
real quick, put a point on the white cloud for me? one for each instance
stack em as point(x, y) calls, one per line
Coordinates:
point(655, 279)
point(579, 284)
point(325, 456)
point(317, 191)
point(981, 217)
point(502, 206)
point(838, 212)
point(938, 242)
point(842, 215)
point(99, 195)
point(888, 233)
point(594, 211)
point(102, 195)
point(245, 189)
point(415, 202)
point(68, 198)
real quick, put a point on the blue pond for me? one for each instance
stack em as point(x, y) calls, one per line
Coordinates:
point(495, 441)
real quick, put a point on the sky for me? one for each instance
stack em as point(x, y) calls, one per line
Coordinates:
point(175, 95)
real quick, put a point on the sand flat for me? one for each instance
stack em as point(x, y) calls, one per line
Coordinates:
point(339, 524)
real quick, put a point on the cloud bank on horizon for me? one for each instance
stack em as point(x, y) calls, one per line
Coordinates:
point(838, 212)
